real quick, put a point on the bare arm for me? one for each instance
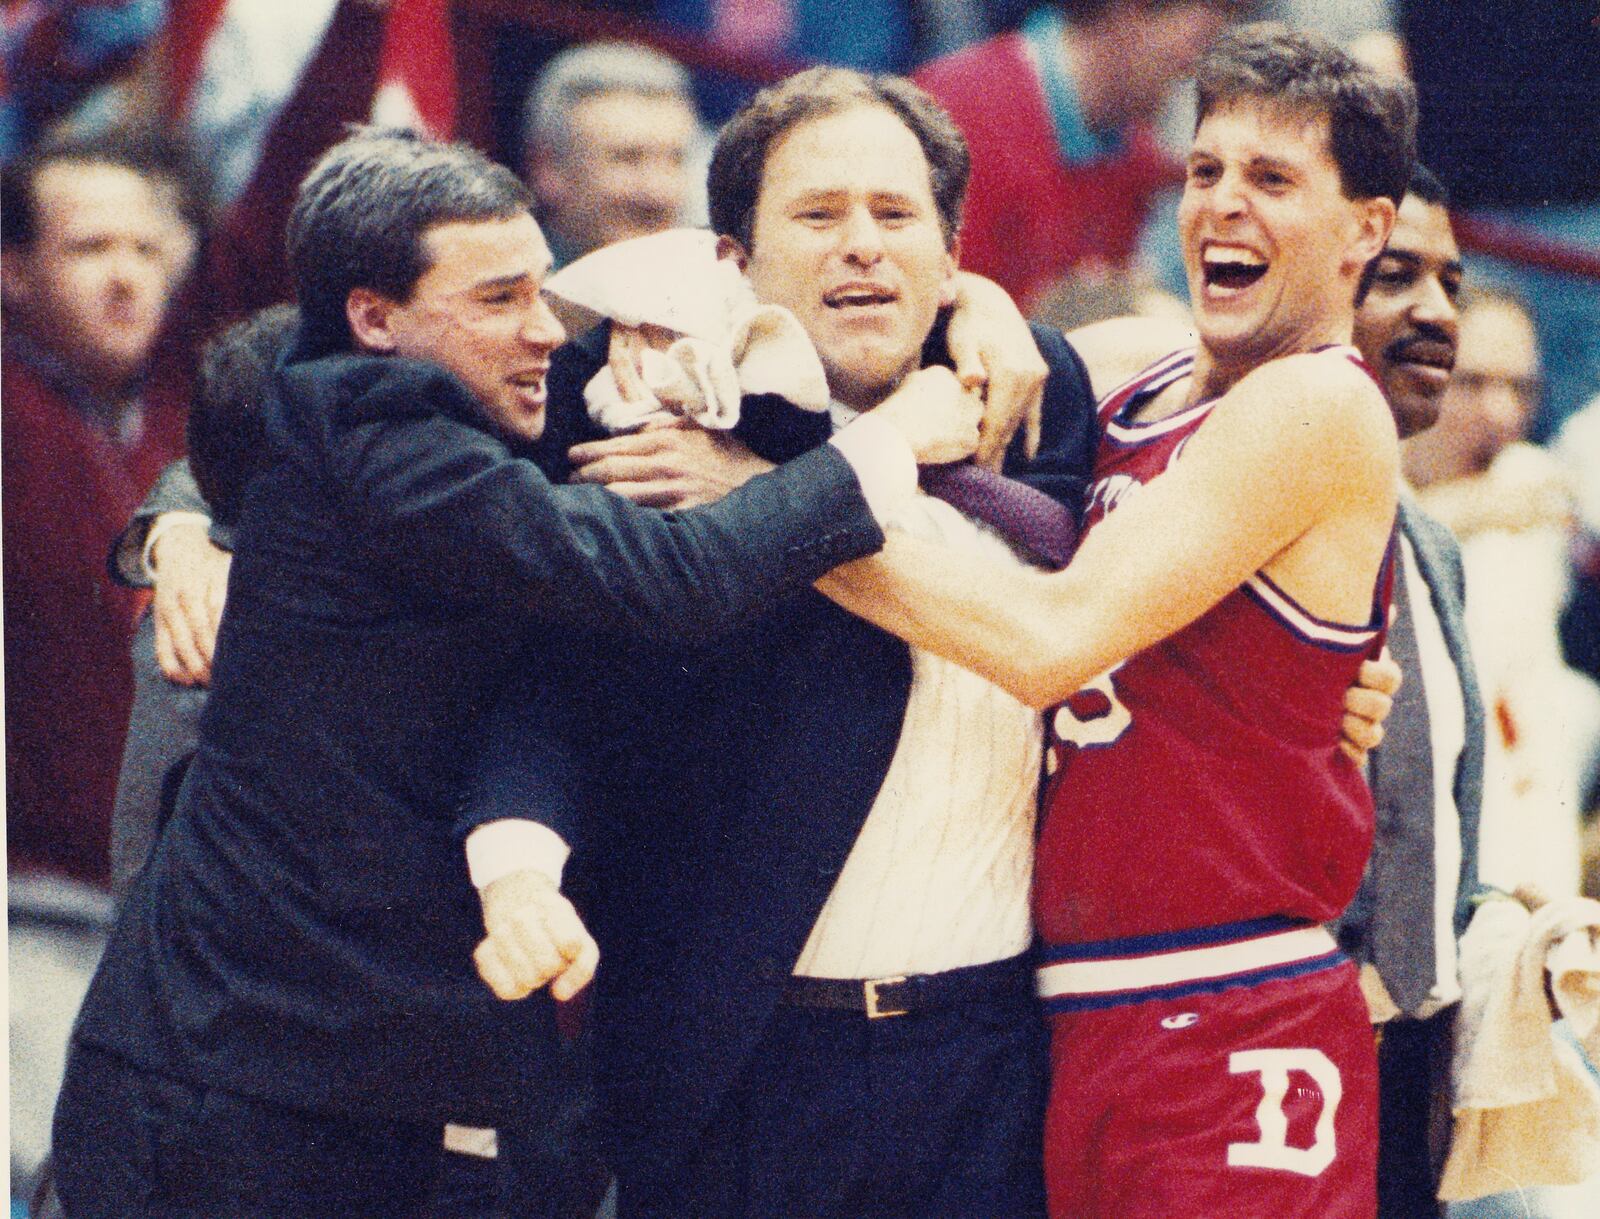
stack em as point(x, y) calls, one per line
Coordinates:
point(1277, 477)
point(1118, 349)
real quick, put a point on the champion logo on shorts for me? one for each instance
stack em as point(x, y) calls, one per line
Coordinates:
point(1181, 1021)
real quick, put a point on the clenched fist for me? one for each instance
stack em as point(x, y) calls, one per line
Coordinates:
point(936, 414)
point(534, 937)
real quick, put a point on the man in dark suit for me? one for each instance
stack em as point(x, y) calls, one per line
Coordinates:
point(809, 865)
point(1427, 776)
point(288, 1011)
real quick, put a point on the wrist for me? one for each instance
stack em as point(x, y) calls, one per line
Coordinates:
point(510, 846)
point(883, 460)
point(189, 528)
point(514, 891)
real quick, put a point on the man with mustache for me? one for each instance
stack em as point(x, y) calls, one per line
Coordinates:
point(92, 244)
point(1427, 777)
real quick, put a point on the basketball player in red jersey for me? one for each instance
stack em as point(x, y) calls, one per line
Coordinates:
point(1211, 1049)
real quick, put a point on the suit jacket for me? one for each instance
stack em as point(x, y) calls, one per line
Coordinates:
point(1414, 1057)
point(728, 785)
point(304, 929)
point(174, 491)
point(1439, 561)
point(163, 732)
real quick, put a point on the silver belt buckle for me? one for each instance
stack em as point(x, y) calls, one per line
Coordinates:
point(870, 990)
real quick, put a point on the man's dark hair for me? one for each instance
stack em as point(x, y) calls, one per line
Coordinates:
point(1425, 185)
point(739, 161)
point(361, 213)
point(226, 436)
point(149, 154)
point(1372, 117)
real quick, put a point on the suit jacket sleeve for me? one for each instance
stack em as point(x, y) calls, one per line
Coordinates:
point(563, 737)
point(447, 511)
point(533, 755)
point(174, 491)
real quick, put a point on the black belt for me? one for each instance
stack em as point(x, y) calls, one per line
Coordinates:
point(875, 998)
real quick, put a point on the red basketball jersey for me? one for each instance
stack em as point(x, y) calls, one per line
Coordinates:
point(1200, 782)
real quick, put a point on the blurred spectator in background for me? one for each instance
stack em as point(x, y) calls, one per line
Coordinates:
point(267, 87)
point(1578, 448)
point(1099, 293)
point(1064, 163)
point(55, 52)
point(1366, 28)
point(93, 234)
point(235, 66)
point(93, 242)
point(1509, 504)
point(611, 139)
point(871, 35)
point(241, 74)
point(1510, 119)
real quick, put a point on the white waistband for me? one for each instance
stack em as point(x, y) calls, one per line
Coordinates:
point(1099, 977)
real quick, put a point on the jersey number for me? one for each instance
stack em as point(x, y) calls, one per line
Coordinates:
point(1093, 727)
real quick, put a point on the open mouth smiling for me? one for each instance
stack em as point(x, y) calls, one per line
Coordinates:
point(531, 383)
point(1229, 269)
point(859, 296)
point(1434, 354)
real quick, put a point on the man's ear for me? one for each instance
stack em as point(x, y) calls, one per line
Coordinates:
point(15, 281)
point(730, 248)
point(947, 290)
point(548, 180)
point(371, 318)
point(1374, 222)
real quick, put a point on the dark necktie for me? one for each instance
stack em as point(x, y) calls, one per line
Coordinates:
point(1029, 519)
point(1403, 865)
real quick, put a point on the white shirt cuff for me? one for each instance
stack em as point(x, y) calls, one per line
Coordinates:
point(499, 848)
point(884, 464)
point(161, 525)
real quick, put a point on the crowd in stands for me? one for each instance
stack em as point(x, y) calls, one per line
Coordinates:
point(152, 150)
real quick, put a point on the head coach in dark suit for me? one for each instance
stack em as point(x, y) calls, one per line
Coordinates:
point(809, 857)
point(288, 1011)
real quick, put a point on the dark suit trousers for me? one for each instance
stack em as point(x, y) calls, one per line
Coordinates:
point(134, 1145)
point(936, 1115)
point(1413, 1114)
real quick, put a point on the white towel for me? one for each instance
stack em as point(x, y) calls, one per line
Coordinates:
point(1527, 1108)
point(727, 344)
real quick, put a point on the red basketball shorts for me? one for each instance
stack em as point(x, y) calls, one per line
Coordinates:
point(1233, 1078)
